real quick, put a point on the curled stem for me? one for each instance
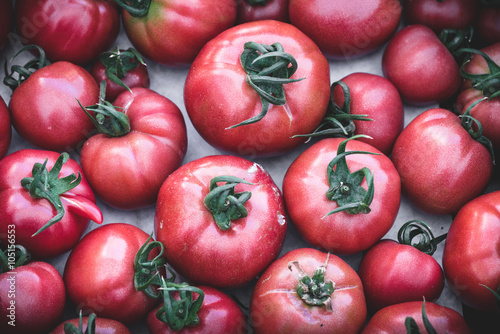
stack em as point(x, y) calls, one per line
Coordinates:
point(147, 272)
point(19, 73)
point(426, 242)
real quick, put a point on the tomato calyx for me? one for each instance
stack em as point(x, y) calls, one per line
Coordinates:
point(314, 291)
point(118, 62)
point(475, 129)
point(412, 327)
point(136, 8)
point(268, 68)
point(455, 40)
point(426, 242)
point(225, 204)
point(147, 272)
point(345, 187)
point(69, 328)
point(488, 83)
point(13, 257)
point(24, 71)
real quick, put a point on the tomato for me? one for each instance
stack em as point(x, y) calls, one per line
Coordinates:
point(420, 66)
point(307, 182)
point(76, 31)
point(347, 28)
point(6, 21)
point(471, 257)
point(391, 319)
point(225, 109)
point(452, 169)
point(30, 210)
point(255, 10)
point(32, 299)
point(100, 270)
point(5, 128)
point(102, 325)
point(488, 25)
point(203, 242)
point(280, 301)
point(127, 169)
point(189, 23)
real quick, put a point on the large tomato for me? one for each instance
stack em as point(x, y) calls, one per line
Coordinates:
point(308, 291)
point(255, 10)
point(222, 90)
point(346, 28)
point(126, 169)
point(5, 128)
point(72, 30)
point(102, 326)
point(488, 24)
point(441, 166)
point(310, 179)
point(207, 210)
point(6, 21)
point(172, 32)
point(32, 196)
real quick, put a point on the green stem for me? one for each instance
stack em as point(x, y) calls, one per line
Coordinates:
point(412, 327)
point(147, 272)
point(455, 40)
point(13, 257)
point(69, 328)
point(426, 243)
point(118, 63)
point(136, 8)
point(488, 83)
point(23, 72)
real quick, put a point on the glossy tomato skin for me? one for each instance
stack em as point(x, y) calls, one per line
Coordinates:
point(305, 185)
point(76, 31)
point(347, 28)
point(102, 326)
point(275, 306)
point(176, 17)
point(217, 96)
point(420, 66)
point(394, 273)
point(471, 255)
point(45, 110)
point(6, 21)
point(452, 167)
point(218, 314)
point(36, 297)
point(196, 247)
point(272, 10)
point(128, 171)
point(5, 128)
point(391, 319)
point(99, 274)
point(28, 214)
point(377, 97)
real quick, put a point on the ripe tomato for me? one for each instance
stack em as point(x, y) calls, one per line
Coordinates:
point(305, 188)
point(488, 25)
point(70, 30)
point(205, 247)
point(102, 325)
point(29, 210)
point(280, 301)
point(256, 10)
point(471, 258)
point(188, 23)
point(5, 128)
point(452, 169)
point(346, 28)
point(218, 92)
point(420, 66)
point(6, 21)
point(127, 169)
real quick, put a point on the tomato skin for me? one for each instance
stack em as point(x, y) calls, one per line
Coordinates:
point(305, 185)
point(76, 31)
point(102, 326)
point(217, 96)
point(28, 215)
point(347, 28)
point(275, 307)
point(377, 97)
point(39, 298)
point(272, 10)
point(99, 274)
point(453, 168)
point(420, 66)
point(190, 23)
point(488, 25)
point(471, 255)
point(6, 21)
point(196, 247)
point(128, 171)
point(219, 314)
point(5, 128)
point(391, 319)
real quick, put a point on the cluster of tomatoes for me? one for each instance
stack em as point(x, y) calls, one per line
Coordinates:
point(292, 184)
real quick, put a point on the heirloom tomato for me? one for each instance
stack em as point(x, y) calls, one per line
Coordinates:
point(441, 165)
point(5, 128)
point(308, 291)
point(256, 85)
point(6, 21)
point(208, 209)
point(257, 10)
point(99, 326)
point(47, 198)
point(342, 201)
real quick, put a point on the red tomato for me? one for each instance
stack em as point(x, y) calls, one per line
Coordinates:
point(420, 66)
point(29, 214)
point(196, 247)
point(441, 166)
point(488, 25)
point(218, 314)
point(306, 184)
point(73, 30)
point(391, 319)
point(5, 128)
point(276, 305)
point(346, 28)
point(6, 21)
point(99, 274)
point(189, 23)
point(128, 170)
point(255, 10)
point(102, 326)
point(32, 299)
point(471, 258)
point(218, 96)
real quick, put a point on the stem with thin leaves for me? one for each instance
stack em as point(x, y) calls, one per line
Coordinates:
point(25, 71)
point(426, 243)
